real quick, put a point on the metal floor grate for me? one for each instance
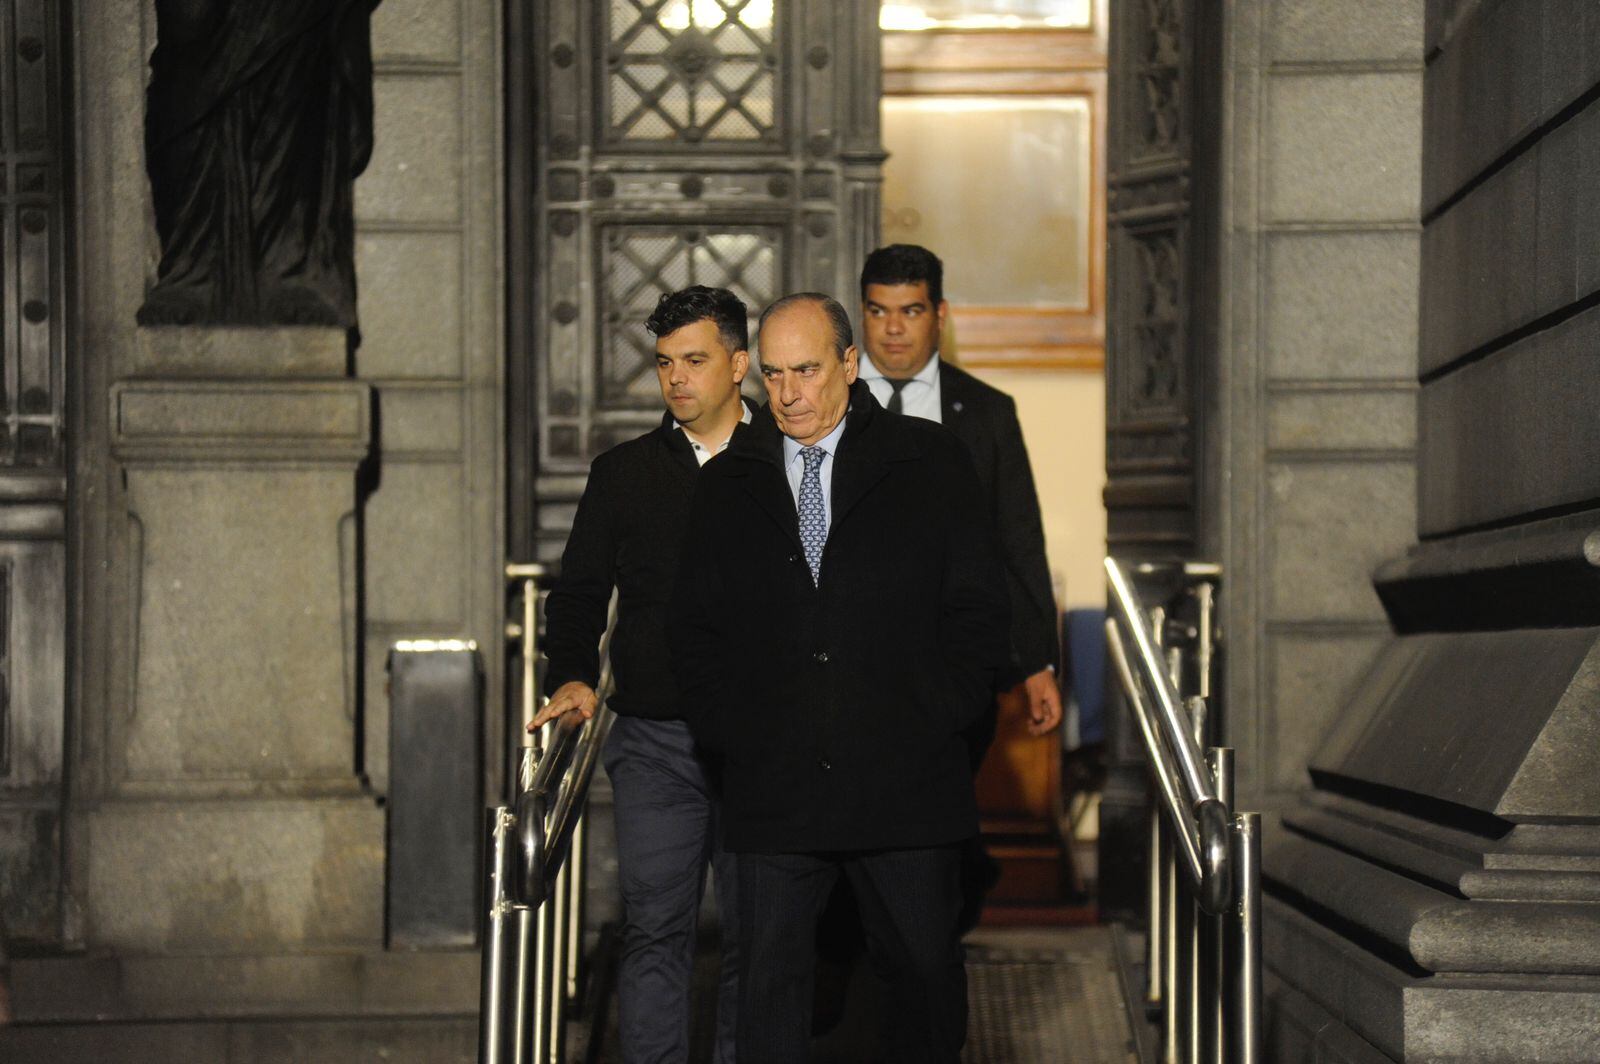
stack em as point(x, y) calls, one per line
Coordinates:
point(1045, 1006)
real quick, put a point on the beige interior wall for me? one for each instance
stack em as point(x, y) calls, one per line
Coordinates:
point(1064, 424)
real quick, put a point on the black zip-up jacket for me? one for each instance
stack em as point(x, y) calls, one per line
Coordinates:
point(628, 534)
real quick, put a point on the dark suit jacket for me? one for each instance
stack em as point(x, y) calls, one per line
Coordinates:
point(838, 708)
point(627, 534)
point(985, 419)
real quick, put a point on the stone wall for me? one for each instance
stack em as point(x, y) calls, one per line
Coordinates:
point(1313, 445)
point(1434, 897)
point(429, 263)
point(258, 515)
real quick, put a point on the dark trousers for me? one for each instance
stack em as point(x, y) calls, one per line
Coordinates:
point(909, 901)
point(667, 833)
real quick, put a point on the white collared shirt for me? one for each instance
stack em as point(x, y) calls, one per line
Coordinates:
point(795, 468)
point(920, 397)
point(703, 454)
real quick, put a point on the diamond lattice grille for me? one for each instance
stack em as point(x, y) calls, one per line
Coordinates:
point(639, 264)
point(691, 71)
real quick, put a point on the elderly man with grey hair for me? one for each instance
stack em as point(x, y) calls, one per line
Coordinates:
point(841, 612)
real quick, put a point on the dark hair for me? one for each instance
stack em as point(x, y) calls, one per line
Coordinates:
point(721, 307)
point(837, 317)
point(904, 264)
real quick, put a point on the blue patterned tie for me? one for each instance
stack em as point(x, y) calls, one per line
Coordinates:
point(813, 516)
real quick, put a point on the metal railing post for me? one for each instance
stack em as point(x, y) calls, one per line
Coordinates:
point(522, 1019)
point(1172, 1007)
point(557, 987)
point(577, 861)
point(1187, 1001)
point(1205, 594)
point(1158, 877)
point(1215, 1047)
point(539, 988)
point(1247, 963)
point(494, 994)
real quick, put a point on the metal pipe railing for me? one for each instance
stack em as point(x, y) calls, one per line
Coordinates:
point(1204, 952)
point(532, 954)
point(1202, 822)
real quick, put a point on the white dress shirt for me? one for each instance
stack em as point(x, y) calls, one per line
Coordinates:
point(919, 397)
point(795, 468)
point(704, 454)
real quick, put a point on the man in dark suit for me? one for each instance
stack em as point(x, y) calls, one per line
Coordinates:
point(840, 615)
point(627, 535)
point(903, 311)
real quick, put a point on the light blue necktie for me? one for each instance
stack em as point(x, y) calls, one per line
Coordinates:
point(813, 515)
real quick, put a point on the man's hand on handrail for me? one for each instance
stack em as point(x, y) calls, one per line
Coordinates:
point(573, 696)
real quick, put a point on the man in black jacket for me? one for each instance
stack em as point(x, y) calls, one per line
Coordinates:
point(840, 615)
point(903, 311)
point(627, 535)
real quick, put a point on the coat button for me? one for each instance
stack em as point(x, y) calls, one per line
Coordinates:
point(793, 558)
point(820, 657)
point(824, 764)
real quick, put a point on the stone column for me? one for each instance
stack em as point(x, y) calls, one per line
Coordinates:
point(232, 818)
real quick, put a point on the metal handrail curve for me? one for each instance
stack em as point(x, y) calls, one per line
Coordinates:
point(548, 808)
point(532, 953)
point(1200, 819)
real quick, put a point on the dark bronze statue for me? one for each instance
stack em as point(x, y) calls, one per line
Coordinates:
point(259, 119)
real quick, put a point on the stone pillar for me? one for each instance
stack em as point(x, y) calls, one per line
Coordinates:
point(232, 818)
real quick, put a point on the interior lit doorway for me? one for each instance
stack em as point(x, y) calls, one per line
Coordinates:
point(994, 118)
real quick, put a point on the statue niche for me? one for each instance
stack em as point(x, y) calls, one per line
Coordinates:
point(258, 121)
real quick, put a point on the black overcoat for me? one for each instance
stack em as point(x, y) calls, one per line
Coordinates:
point(985, 419)
point(838, 708)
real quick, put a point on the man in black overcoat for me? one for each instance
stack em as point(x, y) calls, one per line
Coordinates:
point(627, 535)
point(840, 614)
point(903, 310)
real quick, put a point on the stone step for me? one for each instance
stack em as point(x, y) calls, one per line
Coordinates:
point(369, 984)
point(391, 1040)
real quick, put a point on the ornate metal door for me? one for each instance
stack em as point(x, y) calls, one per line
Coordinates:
point(656, 145)
point(33, 466)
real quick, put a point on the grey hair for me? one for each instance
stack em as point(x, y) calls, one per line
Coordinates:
point(838, 317)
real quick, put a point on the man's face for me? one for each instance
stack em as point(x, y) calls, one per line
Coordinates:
point(902, 326)
point(699, 376)
point(808, 384)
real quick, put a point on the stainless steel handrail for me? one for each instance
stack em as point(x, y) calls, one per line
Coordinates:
point(1201, 821)
point(535, 873)
point(1203, 964)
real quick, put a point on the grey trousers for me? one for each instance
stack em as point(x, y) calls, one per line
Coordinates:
point(668, 832)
